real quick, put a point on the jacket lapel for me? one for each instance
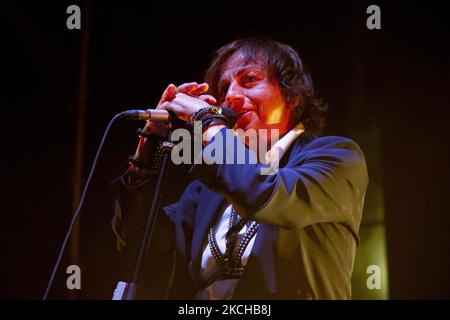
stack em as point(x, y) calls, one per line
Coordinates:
point(206, 211)
point(258, 280)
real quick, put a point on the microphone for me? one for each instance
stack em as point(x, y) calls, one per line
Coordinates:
point(149, 115)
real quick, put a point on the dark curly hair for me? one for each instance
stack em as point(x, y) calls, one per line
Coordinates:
point(285, 65)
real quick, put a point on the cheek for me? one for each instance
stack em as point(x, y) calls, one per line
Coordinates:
point(274, 114)
point(272, 110)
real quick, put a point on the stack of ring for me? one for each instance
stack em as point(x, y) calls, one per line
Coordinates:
point(141, 133)
point(137, 163)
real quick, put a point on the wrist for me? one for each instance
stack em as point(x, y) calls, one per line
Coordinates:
point(211, 131)
point(137, 175)
point(210, 114)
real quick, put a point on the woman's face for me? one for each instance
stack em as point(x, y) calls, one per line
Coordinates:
point(248, 89)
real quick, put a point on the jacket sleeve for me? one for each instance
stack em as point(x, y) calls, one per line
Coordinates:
point(323, 181)
point(132, 202)
point(183, 215)
point(131, 209)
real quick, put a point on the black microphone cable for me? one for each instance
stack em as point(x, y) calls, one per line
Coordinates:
point(80, 204)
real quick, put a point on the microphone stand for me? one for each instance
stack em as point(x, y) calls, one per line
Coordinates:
point(127, 290)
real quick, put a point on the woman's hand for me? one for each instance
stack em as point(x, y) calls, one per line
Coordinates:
point(197, 90)
point(183, 101)
point(187, 99)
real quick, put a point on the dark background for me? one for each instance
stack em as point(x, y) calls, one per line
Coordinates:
point(395, 78)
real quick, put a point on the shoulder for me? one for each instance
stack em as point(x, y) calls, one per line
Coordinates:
point(334, 151)
point(332, 145)
point(330, 142)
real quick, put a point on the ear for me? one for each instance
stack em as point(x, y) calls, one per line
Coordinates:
point(294, 102)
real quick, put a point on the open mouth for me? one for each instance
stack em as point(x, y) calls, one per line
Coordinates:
point(243, 113)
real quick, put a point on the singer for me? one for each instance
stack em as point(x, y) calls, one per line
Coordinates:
point(236, 233)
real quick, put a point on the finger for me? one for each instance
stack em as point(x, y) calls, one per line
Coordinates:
point(187, 87)
point(179, 111)
point(163, 105)
point(208, 98)
point(201, 88)
point(158, 128)
point(169, 93)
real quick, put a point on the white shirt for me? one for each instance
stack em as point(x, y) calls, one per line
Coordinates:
point(221, 289)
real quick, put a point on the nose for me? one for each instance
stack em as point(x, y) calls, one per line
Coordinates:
point(234, 97)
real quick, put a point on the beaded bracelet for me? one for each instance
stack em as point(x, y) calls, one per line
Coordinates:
point(212, 122)
point(208, 116)
point(211, 119)
point(141, 133)
point(137, 163)
point(198, 115)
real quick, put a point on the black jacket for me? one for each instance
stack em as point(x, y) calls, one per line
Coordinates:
point(309, 214)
